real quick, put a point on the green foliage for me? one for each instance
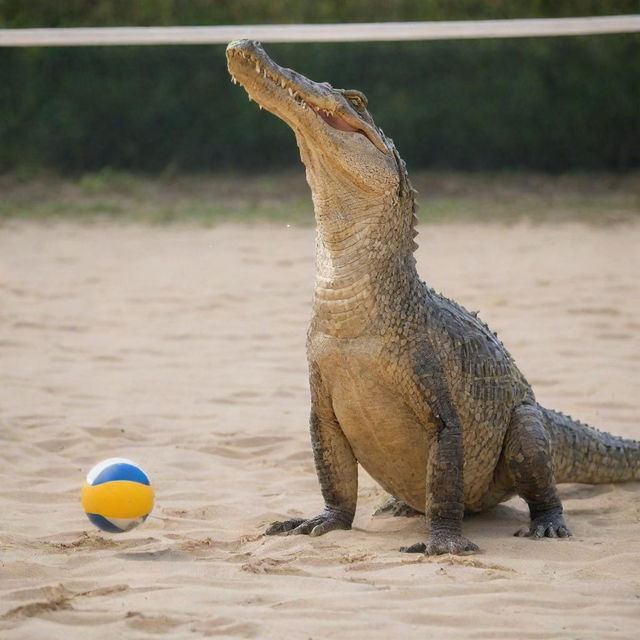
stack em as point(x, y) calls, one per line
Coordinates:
point(80, 13)
point(551, 104)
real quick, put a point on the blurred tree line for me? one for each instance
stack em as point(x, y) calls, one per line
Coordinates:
point(551, 104)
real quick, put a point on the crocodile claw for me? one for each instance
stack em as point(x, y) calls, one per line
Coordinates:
point(282, 528)
point(325, 522)
point(396, 508)
point(545, 526)
point(440, 543)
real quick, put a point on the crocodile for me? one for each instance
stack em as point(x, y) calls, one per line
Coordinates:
point(404, 381)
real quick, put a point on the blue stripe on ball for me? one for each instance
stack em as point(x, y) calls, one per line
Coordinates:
point(102, 523)
point(121, 471)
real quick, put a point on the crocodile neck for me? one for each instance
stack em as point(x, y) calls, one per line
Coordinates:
point(364, 260)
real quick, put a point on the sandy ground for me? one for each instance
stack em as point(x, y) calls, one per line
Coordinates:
point(183, 349)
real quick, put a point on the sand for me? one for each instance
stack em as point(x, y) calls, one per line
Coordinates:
point(183, 349)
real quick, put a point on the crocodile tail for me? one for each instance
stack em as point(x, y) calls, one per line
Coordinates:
point(584, 454)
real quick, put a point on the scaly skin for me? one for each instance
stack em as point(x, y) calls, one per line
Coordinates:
point(404, 381)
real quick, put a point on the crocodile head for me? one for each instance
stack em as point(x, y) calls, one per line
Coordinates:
point(339, 142)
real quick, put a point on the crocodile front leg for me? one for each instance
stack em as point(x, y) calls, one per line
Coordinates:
point(336, 467)
point(444, 506)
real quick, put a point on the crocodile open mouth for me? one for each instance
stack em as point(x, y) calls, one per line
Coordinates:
point(291, 87)
point(334, 120)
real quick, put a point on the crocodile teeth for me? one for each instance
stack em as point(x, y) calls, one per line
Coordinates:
point(290, 90)
point(233, 79)
point(257, 67)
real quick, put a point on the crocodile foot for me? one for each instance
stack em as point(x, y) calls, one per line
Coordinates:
point(551, 525)
point(328, 520)
point(396, 508)
point(440, 543)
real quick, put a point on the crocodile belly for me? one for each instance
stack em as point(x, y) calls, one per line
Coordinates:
point(384, 434)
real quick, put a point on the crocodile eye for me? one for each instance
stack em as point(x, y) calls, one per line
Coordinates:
point(357, 103)
point(357, 100)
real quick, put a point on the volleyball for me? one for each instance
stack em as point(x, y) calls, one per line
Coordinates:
point(117, 495)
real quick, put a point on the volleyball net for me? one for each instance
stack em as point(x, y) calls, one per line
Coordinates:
point(345, 32)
